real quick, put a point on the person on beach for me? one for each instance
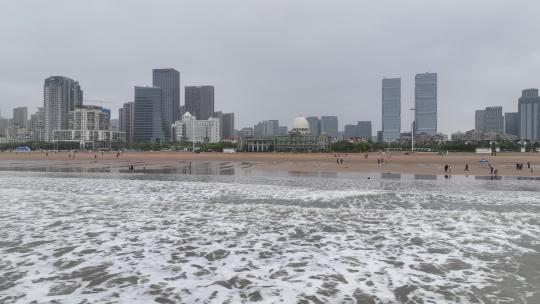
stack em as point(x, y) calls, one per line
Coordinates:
point(446, 168)
point(341, 161)
point(491, 170)
point(117, 154)
point(528, 165)
point(466, 167)
point(337, 160)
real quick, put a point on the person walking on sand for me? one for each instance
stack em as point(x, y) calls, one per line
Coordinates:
point(466, 167)
point(528, 165)
point(446, 168)
point(341, 161)
point(337, 160)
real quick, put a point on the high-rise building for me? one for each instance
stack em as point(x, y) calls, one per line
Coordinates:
point(529, 115)
point(365, 130)
point(314, 125)
point(479, 120)
point(199, 101)
point(329, 126)
point(37, 125)
point(169, 82)
point(283, 130)
point(148, 123)
point(391, 109)
point(227, 126)
point(61, 95)
point(425, 105)
point(20, 117)
point(493, 120)
point(511, 123)
point(126, 115)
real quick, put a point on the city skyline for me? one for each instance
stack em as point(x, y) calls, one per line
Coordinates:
point(293, 65)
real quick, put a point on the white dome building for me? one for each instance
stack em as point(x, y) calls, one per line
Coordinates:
point(300, 126)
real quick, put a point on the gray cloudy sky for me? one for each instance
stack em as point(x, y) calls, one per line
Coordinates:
point(280, 58)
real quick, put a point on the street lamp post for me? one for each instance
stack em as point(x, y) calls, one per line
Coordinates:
point(412, 133)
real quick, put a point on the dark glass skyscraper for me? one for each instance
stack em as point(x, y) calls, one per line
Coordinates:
point(391, 109)
point(425, 103)
point(148, 123)
point(169, 82)
point(199, 101)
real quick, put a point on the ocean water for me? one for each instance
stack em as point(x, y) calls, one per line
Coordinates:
point(143, 238)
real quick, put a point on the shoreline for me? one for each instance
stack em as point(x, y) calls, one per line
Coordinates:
point(241, 163)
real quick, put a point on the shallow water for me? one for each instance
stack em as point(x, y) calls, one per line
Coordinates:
point(139, 238)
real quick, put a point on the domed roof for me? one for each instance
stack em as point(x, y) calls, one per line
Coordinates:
point(300, 123)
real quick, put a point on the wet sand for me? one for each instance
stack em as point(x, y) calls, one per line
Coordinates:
point(182, 162)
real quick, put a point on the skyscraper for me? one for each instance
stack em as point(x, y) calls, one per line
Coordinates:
point(493, 120)
point(425, 103)
point(511, 123)
point(479, 120)
point(314, 125)
point(169, 82)
point(126, 115)
point(199, 101)
point(20, 117)
point(148, 123)
point(391, 109)
point(529, 115)
point(61, 95)
point(228, 126)
point(329, 125)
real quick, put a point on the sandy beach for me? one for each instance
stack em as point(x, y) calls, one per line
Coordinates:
point(395, 162)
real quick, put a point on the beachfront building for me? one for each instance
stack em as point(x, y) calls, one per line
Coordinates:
point(529, 115)
point(489, 119)
point(90, 126)
point(61, 95)
point(148, 123)
point(425, 103)
point(298, 139)
point(189, 129)
point(391, 109)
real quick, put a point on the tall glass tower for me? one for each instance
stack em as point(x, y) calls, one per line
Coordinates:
point(391, 109)
point(425, 103)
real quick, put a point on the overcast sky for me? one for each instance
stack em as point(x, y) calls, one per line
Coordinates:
point(280, 58)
